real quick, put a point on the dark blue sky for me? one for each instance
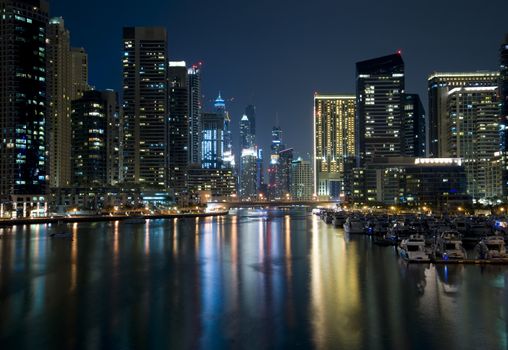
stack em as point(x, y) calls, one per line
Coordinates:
point(276, 53)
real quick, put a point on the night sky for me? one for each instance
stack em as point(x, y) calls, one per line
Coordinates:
point(276, 54)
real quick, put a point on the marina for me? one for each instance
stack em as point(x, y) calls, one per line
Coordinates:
point(421, 238)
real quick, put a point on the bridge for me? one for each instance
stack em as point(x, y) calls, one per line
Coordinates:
point(275, 204)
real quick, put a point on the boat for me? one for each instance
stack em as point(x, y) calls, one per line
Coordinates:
point(448, 246)
point(339, 219)
point(412, 249)
point(354, 225)
point(491, 248)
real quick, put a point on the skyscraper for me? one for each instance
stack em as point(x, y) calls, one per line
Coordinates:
point(89, 140)
point(439, 84)
point(212, 141)
point(250, 112)
point(248, 173)
point(247, 137)
point(473, 133)
point(503, 94)
point(380, 85)
point(274, 191)
point(228, 156)
point(23, 102)
point(334, 145)
point(301, 180)
point(145, 98)
point(414, 121)
point(79, 72)
point(179, 130)
point(96, 139)
point(283, 185)
point(60, 86)
point(195, 111)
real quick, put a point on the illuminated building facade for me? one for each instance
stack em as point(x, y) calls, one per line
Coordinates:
point(228, 157)
point(380, 85)
point(96, 147)
point(503, 94)
point(212, 144)
point(60, 88)
point(439, 85)
point(145, 105)
point(274, 181)
point(179, 128)
point(334, 145)
point(195, 112)
point(302, 183)
point(248, 174)
point(473, 132)
point(24, 103)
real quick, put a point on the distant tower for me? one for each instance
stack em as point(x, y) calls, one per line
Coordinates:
point(195, 112)
point(228, 156)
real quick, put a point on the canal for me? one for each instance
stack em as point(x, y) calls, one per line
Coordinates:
point(256, 279)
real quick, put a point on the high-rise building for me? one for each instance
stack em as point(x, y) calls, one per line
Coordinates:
point(228, 156)
point(415, 144)
point(89, 140)
point(114, 139)
point(302, 183)
point(503, 94)
point(79, 72)
point(334, 145)
point(248, 174)
point(23, 102)
point(96, 147)
point(145, 105)
point(212, 144)
point(274, 191)
point(439, 84)
point(195, 111)
point(473, 133)
point(380, 85)
point(179, 130)
point(283, 184)
point(250, 112)
point(260, 177)
point(247, 137)
point(60, 86)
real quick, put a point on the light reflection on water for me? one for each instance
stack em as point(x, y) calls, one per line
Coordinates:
point(258, 279)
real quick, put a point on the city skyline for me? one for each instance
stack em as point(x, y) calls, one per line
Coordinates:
point(257, 57)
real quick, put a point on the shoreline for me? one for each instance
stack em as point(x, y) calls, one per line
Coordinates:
point(103, 218)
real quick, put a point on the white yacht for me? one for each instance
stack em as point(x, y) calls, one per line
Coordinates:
point(412, 249)
point(491, 247)
point(448, 246)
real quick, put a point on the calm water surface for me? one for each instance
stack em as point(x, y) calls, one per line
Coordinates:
point(254, 280)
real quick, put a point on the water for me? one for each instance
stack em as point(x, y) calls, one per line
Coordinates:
point(255, 280)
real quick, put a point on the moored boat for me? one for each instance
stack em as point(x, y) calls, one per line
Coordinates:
point(412, 249)
point(448, 246)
